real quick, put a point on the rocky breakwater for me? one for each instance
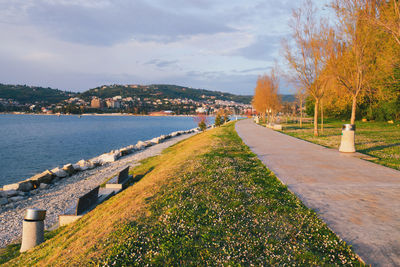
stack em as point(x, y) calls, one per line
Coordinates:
point(15, 192)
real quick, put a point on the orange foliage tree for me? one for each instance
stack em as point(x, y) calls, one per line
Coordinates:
point(353, 59)
point(266, 100)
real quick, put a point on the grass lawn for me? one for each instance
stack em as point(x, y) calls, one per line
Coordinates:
point(379, 140)
point(207, 200)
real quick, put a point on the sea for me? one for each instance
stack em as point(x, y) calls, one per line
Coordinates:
point(30, 144)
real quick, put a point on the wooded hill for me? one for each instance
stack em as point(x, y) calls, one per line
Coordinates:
point(30, 94)
point(158, 91)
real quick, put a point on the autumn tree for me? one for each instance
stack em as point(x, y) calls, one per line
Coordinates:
point(306, 53)
point(266, 100)
point(384, 14)
point(352, 60)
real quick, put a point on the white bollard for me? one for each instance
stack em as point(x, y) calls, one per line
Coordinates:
point(348, 138)
point(32, 229)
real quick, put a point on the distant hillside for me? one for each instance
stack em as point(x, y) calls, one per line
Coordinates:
point(31, 94)
point(288, 98)
point(162, 91)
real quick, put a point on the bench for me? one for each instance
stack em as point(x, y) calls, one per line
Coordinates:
point(84, 204)
point(120, 181)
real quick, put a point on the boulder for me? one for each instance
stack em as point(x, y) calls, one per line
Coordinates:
point(15, 199)
point(59, 172)
point(24, 186)
point(56, 180)
point(44, 177)
point(2, 193)
point(44, 186)
point(3, 201)
point(10, 187)
point(155, 140)
point(76, 167)
point(10, 193)
point(140, 145)
point(108, 157)
point(125, 151)
point(68, 168)
point(85, 165)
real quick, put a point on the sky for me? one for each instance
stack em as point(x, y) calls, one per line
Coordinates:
point(75, 45)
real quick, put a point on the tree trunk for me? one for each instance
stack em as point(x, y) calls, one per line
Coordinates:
point(322, 116)
point(353, 110)
point(301, 113)
point(316, 117)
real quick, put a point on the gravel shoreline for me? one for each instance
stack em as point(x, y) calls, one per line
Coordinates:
point(62, 195)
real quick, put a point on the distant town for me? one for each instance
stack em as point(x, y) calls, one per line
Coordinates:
point(131, 99)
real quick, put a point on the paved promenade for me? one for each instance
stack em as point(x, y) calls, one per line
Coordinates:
point(359, 200)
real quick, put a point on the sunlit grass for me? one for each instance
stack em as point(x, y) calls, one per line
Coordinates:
point(379, 140)
point(205, 201)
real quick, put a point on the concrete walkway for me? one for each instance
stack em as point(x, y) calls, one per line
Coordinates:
point(359, 200)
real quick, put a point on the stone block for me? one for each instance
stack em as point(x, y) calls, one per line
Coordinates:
point(59, 172)
point(24, 186)
point(140, 145)
point(44, 186)
point(44, 177)
point(108, 157)
point(8, 187)
point(10, 193)
point(68, 168)
point(155, 140)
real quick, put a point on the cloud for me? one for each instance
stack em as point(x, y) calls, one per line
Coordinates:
point(80, 44)
point(251, 70)
point(264, 48)
point(108, 24)
point(161, 63)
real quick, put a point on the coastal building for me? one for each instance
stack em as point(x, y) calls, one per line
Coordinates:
point(96, 103)
point(111, 103)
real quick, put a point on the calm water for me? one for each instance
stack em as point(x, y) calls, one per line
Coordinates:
point(31, 144)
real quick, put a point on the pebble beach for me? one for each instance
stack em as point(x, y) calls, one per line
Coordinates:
point(62, 194)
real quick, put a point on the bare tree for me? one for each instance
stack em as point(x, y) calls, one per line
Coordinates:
point(307, 56)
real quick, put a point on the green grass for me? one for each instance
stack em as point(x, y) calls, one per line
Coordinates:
point(230, 210)
point(205, 201)
point(379, 140)
point(12, 251)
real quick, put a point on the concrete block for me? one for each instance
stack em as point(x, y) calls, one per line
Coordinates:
point(67, 219)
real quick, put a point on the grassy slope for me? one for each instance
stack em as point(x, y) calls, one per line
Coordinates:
point(206, 200)
point(377, 139)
